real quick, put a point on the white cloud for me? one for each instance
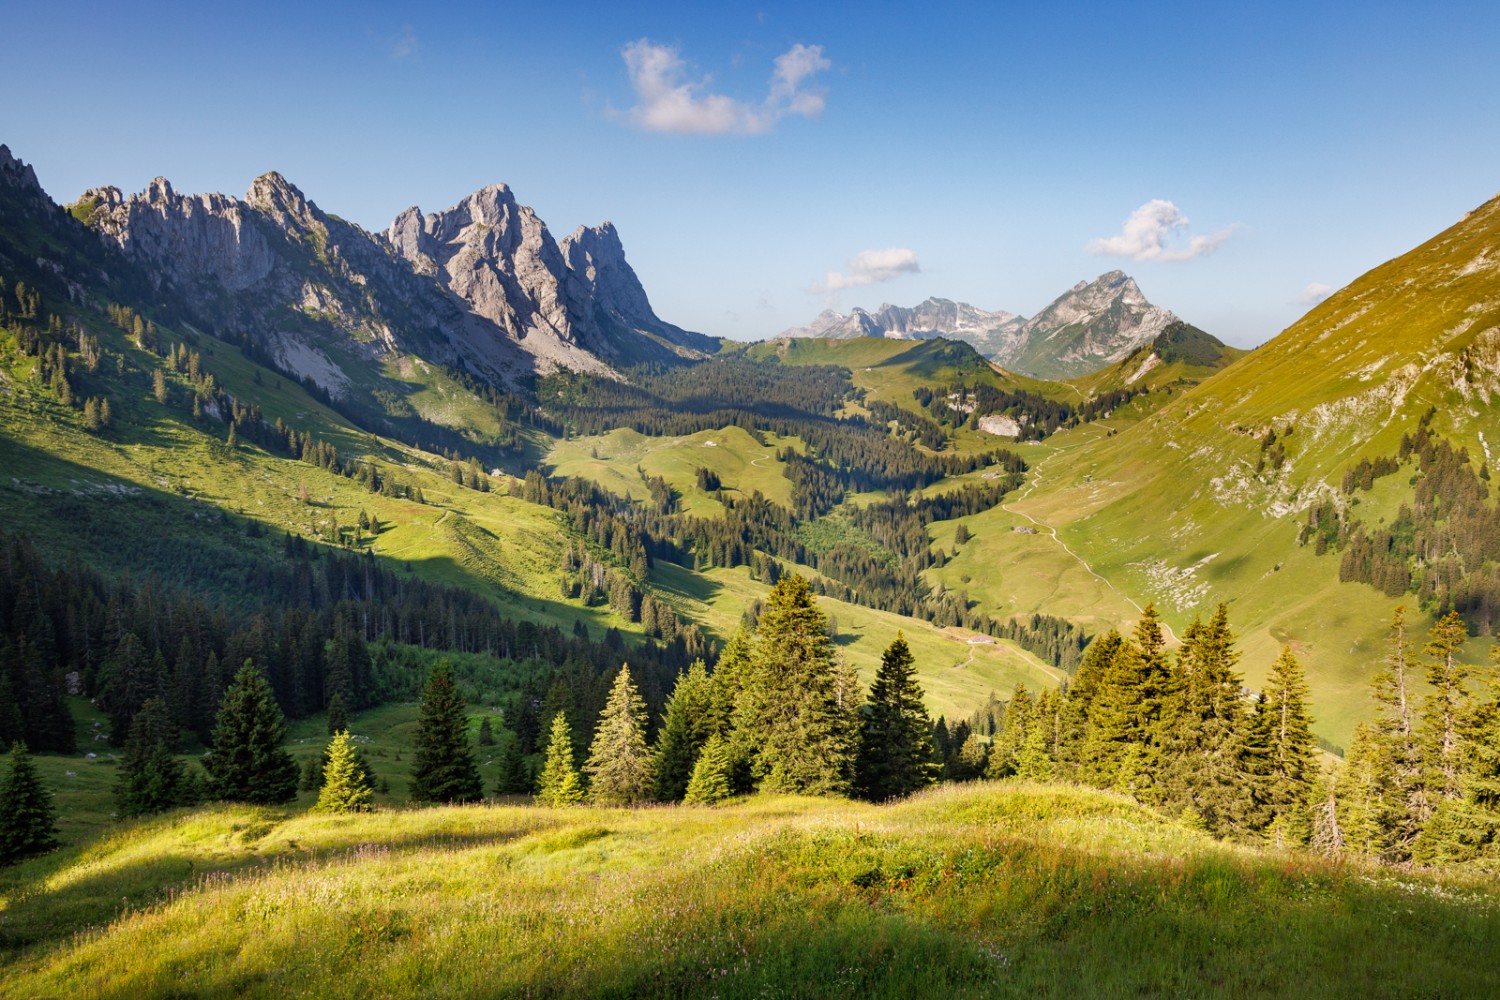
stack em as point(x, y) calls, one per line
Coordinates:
point(669, 102)
point(406, 44)
point(1315, 293)
point(869, 267)
point(1150, 234)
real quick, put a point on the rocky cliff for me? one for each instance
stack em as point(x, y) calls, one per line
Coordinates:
point(482, 286)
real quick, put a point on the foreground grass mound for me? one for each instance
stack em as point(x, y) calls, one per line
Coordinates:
point(979, 890)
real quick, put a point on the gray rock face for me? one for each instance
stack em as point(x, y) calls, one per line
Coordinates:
point(14, 171)
point(932, 318)
point(482, 285)
point(608, 301)
point(1092, 325)
point(184, 239)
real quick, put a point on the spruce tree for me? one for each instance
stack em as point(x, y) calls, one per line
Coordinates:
point(896, 753)
point(690, 718)
point(514, 777)
point(28, 822)
point(619, 764)
point(338, 714)
point(346, 783)
point(790, 708)
point(1198, 746)
point(1073, 722)
point(150, 779)
point(1034, 762)
point(1290, 768)
point(247, 763)
point(710, 779)
point(559, 784)
point(444, 769)
point(1005, 754)
point(1398, 796)
point(1469, 827)
point(1446, 710)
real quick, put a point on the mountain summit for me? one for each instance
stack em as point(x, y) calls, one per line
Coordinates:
point(1090, 326)
point(482, 285)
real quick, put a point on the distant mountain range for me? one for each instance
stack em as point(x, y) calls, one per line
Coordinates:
point(1090, 326)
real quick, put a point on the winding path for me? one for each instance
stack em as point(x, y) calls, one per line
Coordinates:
point(1034, 477)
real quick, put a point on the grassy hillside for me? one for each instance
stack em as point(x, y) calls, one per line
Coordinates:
point(995, 890)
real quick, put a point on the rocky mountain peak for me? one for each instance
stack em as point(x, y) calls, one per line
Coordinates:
point(17, 172)
point(276, 197)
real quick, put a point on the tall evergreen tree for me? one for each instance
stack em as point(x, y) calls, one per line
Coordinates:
point(711, 773)
point(1289, 770)
point(247, 762)
point(1446, 710)
point(150, 779)
point(1469, 827)
point(1359, 793)
point(1005, 754)
point(691, 716)
point(338, 714)
point(444, 768)
point(790, 707)
point(514, 778)
point(1399, 794)
point(619, 764)
point(346, 784)
point(1198, 747)
point(559, 784)
point(1124, 713)
point(896, 754)
point(1073, 721)
point(1035, 758)
point(28, 822)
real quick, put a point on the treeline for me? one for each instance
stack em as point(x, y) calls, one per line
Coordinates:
point(756, 533)
point(68, 628)
point(1036, 415)
point(1443, 546)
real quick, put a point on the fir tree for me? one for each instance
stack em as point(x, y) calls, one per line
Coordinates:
point(619, 764)
point(559, 784)
point(150, 779)
point(789, 707)
point(28, 823)
point(1034, 763)
point(692, 715)
point(444, 769)
point(710, 779)
point(1358, 793)
point(895, 747)
point(1398, 794)
point(1446, 709)
point(338, 714)
point(1290, 768)
point(514, 777)
point(1005, 754)
point(1469, 827)
point(486, 733)
point(346, 783)
point(247, 763)
point(1198, 746)
point(1073, 722)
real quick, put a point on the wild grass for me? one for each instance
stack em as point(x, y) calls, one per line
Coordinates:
point(981, 890)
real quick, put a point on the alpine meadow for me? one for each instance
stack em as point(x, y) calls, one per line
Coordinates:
point(417, 612)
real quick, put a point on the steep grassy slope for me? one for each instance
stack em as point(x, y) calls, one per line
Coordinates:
point(993, 890)
point(1180, 507)
point(1180, 356)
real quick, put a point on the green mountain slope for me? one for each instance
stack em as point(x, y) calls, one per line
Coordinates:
point(1180, 355)
point(1200, 502)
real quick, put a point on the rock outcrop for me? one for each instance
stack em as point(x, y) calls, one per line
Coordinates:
point(481, 286)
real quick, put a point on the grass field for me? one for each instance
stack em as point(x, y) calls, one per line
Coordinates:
point(981, 890)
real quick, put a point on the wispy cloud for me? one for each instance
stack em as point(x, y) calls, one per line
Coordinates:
point(1153, 232)
point(870, 267)
point(668, 101)
point(406, 44)
point(1315, 293)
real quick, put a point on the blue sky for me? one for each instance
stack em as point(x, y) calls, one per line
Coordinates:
point(763, 161)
